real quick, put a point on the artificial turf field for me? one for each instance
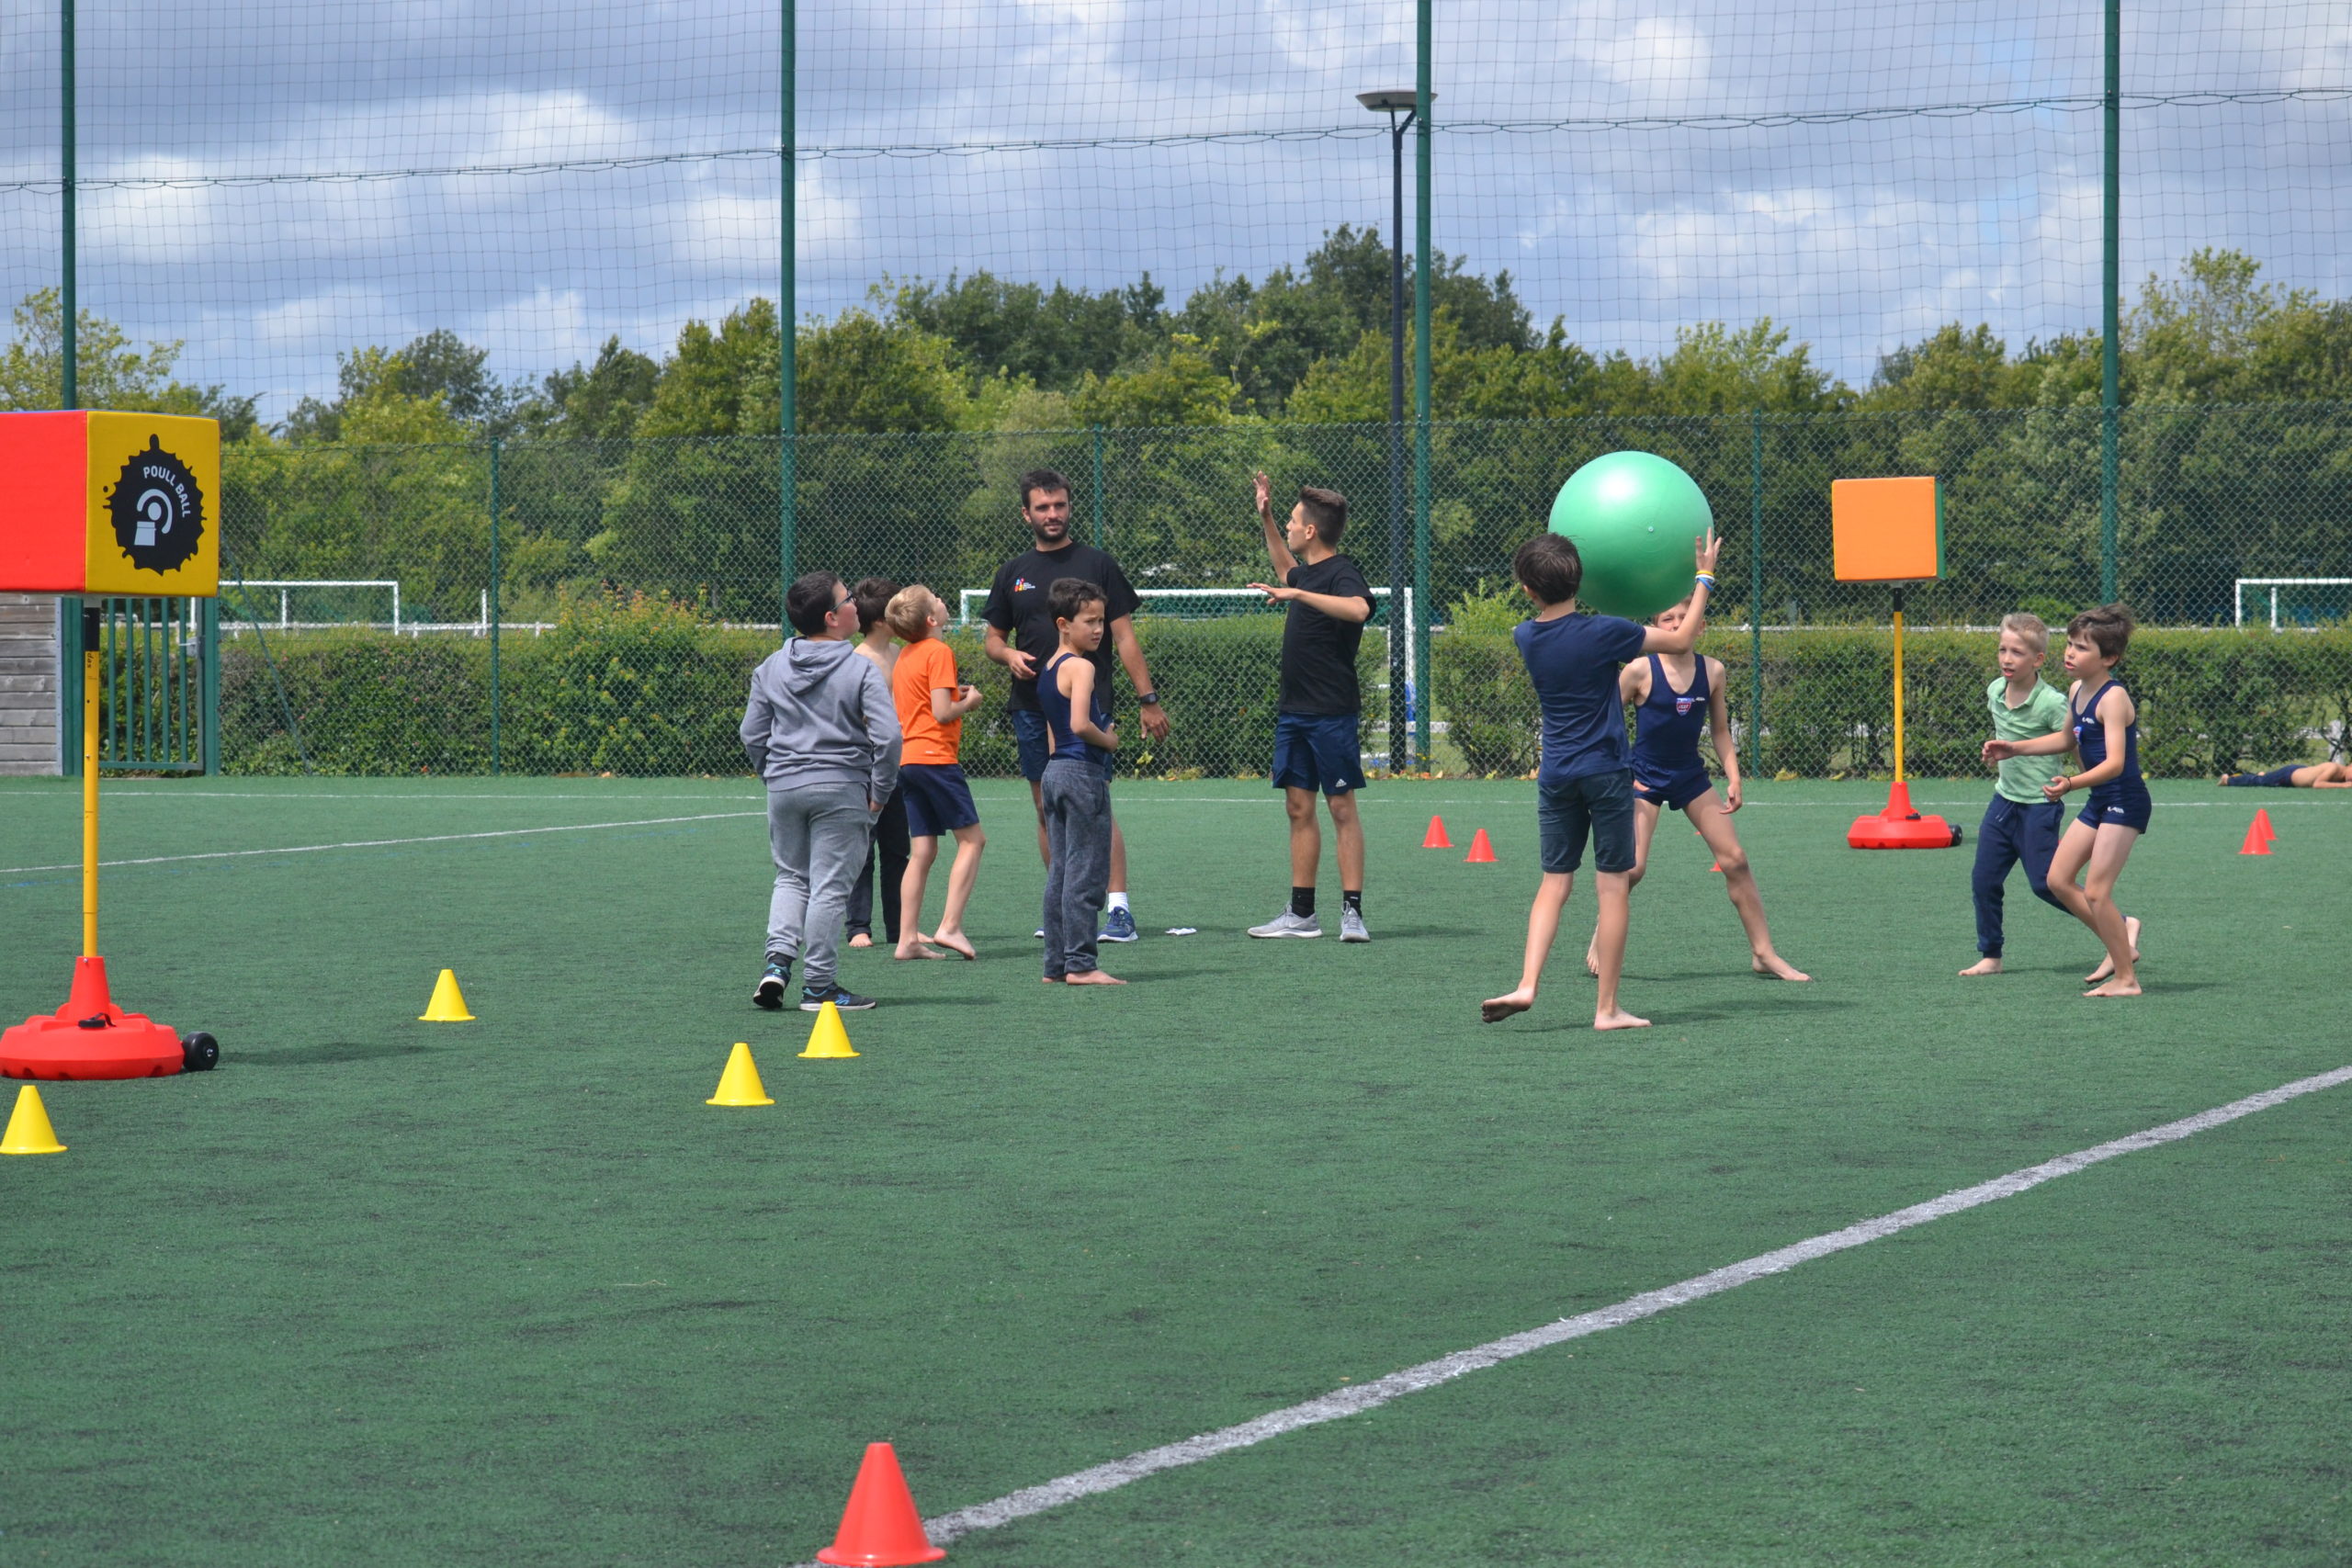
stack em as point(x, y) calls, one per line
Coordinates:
point(382, 1292)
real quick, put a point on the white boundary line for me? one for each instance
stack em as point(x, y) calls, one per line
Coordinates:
point(1356, 1400)
point(390, 843)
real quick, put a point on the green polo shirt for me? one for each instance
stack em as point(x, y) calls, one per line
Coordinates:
point(2044, 712)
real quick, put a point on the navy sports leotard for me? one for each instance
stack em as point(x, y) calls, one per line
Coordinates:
point(1056, 708)
point(1667, 767)
point(2121, 801)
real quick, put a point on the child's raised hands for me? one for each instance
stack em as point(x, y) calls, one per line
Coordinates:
point(1707, 547)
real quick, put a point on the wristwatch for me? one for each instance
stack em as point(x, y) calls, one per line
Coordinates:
point(1148, 699)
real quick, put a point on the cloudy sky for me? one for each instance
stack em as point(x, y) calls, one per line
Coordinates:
point(276, 182)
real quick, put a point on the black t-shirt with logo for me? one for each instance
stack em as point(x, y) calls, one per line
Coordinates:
point(1319, 650)
point(1019, 607)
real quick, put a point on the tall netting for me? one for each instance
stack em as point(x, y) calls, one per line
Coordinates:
point(486, 299)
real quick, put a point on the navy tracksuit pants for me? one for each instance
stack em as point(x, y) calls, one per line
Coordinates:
point(2011, 833)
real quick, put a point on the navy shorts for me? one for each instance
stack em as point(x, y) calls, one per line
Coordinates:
point(1318, 750)
point(2110, 806)
point(1029, 735)
point(938, 800)
point(1599, 805)
point(1675, 793)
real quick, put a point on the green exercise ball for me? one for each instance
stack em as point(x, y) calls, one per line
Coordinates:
point(1634, 518)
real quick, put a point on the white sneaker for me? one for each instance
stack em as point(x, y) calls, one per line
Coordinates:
point(1288, 924)
point(1351, 926)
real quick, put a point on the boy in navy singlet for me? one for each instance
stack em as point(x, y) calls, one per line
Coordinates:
point(1585, 787)
point(1074, 787)
point(2103, 727)
point(1676, 697)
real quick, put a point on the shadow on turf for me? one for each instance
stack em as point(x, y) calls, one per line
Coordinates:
point(332, 1053)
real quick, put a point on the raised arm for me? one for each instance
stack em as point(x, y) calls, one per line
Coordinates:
point(1275, 546)
point(1685, 637)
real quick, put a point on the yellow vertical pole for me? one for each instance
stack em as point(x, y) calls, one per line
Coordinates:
point(1898, 687)
point(89, 793)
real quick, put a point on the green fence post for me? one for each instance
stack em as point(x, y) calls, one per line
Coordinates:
point(2111, 369)
point(69, 684)
point(1101, 526)
point(208, 643)
point(494, 607)
point(69, 321)
point(788, 311)
point(1423, 616)
point(1755, 590)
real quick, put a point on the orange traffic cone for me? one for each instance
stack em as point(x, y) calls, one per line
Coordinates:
point(2254, 844)
point(1435, 837)
point(1717, 867)
point(880, 1528)
point(2262, 820)
point(1481, 851)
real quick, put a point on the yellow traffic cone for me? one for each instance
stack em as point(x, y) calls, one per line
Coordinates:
point(740, 1084)
point(28, 1128)
point(829, 1038)
point(448, 1003)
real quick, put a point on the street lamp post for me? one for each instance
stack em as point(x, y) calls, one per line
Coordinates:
point(1398, 104)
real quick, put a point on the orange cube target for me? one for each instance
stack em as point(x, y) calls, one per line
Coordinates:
point(1887, 530)
point(110, 503)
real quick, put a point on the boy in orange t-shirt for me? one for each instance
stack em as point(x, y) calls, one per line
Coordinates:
point(932, 704)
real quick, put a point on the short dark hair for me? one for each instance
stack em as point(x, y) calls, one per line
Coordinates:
point(1548, 566)
point(1328, 510)
point(810, 601)
point(1068, 595)
point(2106, 628)
point(1036, 479)
point(872, 597)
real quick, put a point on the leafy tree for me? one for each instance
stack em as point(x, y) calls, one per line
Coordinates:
point(440, 366)
point(108, 372)
point(598, 402)
point(1178, 387)
point(1052, 338)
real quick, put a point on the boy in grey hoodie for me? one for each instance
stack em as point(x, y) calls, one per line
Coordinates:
point(823, 732)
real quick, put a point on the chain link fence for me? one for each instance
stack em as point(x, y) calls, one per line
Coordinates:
point(586, 607)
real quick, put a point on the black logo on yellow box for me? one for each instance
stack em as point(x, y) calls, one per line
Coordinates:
point(157, 509)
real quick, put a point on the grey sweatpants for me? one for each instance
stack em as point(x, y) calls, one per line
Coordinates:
point(1077, 799)
point(817, 834)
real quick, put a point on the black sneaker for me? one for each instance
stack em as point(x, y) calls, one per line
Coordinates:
point(847, 1001)
point(773, 980)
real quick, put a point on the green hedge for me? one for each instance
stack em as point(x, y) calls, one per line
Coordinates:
point(2209, 701)
point(650, 687)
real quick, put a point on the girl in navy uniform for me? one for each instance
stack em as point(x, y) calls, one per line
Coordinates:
point(1675, 698)
point(2103, 728)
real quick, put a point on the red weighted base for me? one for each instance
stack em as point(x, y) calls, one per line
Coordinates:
point(1900, 828)
point(90, 1037)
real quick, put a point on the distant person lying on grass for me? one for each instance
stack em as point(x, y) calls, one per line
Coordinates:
point(2309, 775)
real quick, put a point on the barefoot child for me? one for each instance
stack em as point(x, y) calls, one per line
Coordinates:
point(1585, 787)
point(2303, 775)
point(2022, 824)
point(1075, 789)
point(889, 846)
point(2103, 726)
point(932, 704)
point(1674, 697)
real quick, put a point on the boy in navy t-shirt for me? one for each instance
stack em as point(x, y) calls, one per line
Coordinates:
point(1585, 787)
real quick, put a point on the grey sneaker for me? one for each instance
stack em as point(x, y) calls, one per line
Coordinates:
point(1351, 927)
point(1288, 924)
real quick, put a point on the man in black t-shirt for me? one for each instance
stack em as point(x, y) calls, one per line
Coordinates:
point(1321, 710)
point(1019, 608)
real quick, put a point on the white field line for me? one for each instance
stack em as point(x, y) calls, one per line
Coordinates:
point(1356, 1400)
point(390, 843)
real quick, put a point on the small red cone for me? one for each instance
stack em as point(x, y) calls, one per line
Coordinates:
point(2254, 844)
point(1481, 851)
point(880, 1528)
point(2262, 820)
point(1717, 867)
point(1435, 837)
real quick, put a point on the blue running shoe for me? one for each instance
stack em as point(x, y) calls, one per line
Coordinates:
point(842, 1000)
point(1119, 925)
point(769, 992)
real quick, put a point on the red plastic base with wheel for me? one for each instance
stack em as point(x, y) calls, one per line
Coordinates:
point(1900, 828)
point(90, 1037)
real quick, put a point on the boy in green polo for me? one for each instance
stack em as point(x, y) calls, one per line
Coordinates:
point(2021, 824)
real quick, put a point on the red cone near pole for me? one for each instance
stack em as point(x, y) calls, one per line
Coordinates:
point(2262, 820)
point(2254, 844)
point(880, 1528)
point(1435, 837)
point(1481, 851)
